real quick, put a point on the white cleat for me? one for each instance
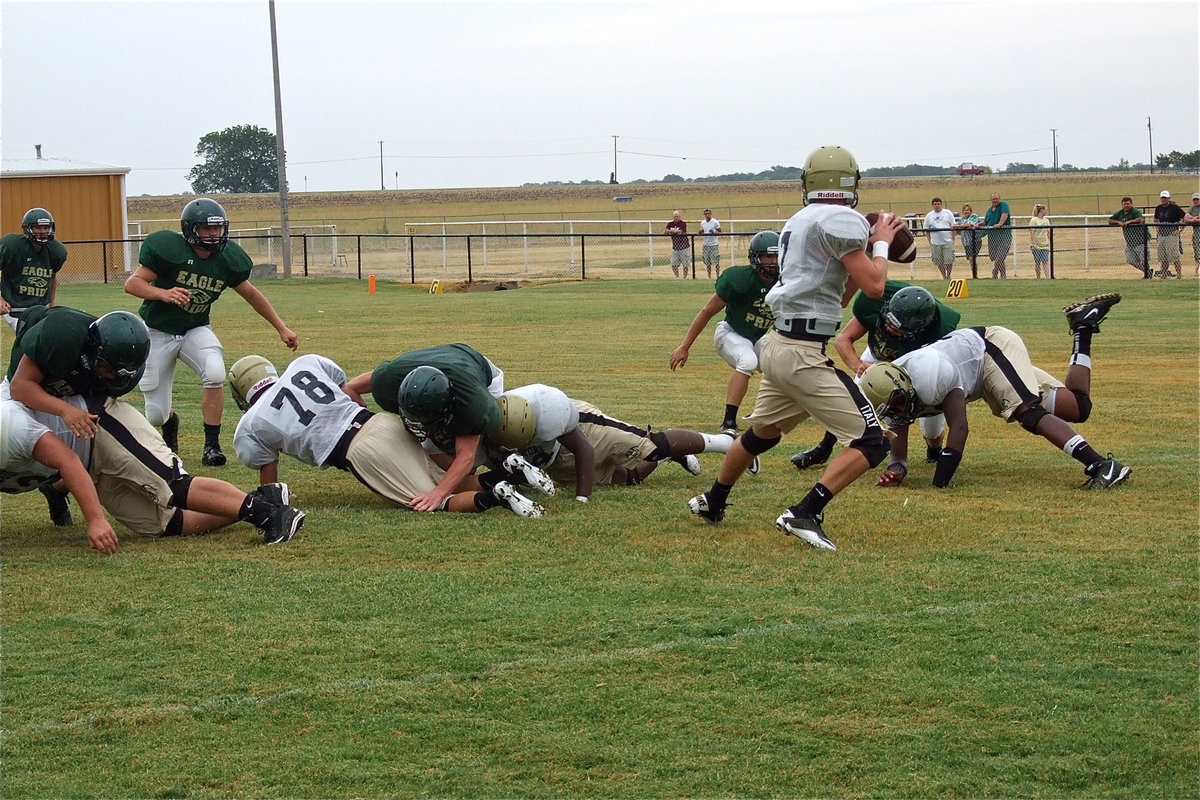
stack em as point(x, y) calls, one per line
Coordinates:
point(521, 505)
point(516, 465)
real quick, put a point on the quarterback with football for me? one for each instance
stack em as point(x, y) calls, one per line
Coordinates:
point(179, 277)
point(993, 364)
point(307, 414)
point(827, 251)
point(29, 265)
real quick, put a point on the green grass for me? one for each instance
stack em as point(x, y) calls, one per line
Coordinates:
point(1010, 636)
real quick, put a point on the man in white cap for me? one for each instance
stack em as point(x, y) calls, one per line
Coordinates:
point(1168, 216)
point(1192, 217)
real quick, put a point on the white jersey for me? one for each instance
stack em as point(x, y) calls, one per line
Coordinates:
point(555, 415)
point(938, 223)
point(20, 430)
point(953, 362)
point(710, 227)
point(304, 414)
point(812, 277)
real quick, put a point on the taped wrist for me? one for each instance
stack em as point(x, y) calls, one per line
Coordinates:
point(898, 466)
point(879, 250)
point(947, 463)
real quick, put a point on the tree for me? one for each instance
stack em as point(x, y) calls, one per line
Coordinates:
point(241, 159)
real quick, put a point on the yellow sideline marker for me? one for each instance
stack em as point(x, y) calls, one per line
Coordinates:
point(435, 287)
point(957, 290)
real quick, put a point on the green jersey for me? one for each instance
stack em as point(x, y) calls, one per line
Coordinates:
point(746, 310)
point(26, 273)
point(886, 347)
point(1135, 235)
point(174, 263)
point(473, 409)
point(56, 343)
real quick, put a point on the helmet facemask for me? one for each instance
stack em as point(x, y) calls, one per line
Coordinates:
point(765, 245)
point(908, 313)
point(203, 212)
point(115, 352)
point(41, 220)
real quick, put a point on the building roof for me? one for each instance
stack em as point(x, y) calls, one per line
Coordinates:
point(44, 167)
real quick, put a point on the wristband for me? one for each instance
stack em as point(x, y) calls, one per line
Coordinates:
point(947, 463)
point(581, 498)
point(880, 250)
point(900, 467)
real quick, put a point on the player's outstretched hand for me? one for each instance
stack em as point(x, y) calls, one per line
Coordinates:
point(893, 475)
point(289, 338)
point(679, 357)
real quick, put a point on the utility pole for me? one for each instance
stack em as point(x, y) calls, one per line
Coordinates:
point(1054, 141)
point(285, 228)
point(614, 175)
point(381, 166)
point(1150, 133)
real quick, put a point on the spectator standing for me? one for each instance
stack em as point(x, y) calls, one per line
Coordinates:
point(1134, 225)
point(1193, 219)
point(998, 221)
point(968, 221)
point(1170, 249)
point(1039, 240)
point(939, 225)
point(180, 276)
point(29, 265)
point(681, 248)
point(712, 246)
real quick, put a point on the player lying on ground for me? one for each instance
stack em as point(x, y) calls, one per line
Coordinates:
point(68, 370)
point(992, 364)
point(575, 441)
point(307, 414)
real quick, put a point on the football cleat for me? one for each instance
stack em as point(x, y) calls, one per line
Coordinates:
point(806, 527)
point(755, 466)
point(276, 494)
point(520, 505)
point(729, 430)
point(701, 507)
point(60, 508)
point(933, 448)
point(213, 457)
point(689, 462)
point(812, 457)
point(170, 432)
point(516, 466)
point(284, 523)
point(1088, 314)
point(1106, 474)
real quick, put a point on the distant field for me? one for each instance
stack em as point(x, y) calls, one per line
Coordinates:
point(388, 211)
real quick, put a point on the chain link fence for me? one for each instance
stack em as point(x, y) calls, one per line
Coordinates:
point(510, 251)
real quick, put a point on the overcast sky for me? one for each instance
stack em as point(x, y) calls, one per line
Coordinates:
point(500, 94)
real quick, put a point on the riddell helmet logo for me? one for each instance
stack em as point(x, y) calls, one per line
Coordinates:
point(830, 194)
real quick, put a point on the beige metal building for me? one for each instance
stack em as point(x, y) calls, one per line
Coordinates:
point(88, 204)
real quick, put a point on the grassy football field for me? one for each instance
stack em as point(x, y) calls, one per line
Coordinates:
point(1008, 636)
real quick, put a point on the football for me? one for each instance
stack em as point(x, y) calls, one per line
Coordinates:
point(904, 246)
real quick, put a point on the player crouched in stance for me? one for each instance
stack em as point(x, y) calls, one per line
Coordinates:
point(306, 413)
point(575, 441)
point(446, 395)
point(740, 291)
point(67, 371)
point(826, 252)
point(993, 364)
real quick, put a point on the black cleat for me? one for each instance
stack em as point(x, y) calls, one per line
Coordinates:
point(807, 528)
point(1088, 314)
point(284, 523)
point(812, 457)
point(701, 507)
point(60, 508)
point(1106, 474)
point(213, 457)
point(276, 494)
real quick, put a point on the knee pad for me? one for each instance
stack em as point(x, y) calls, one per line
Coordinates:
point(662, 447)
point(755, 445)
point(1030, 417)
point(180, 485)
point(873, 446)
point(1084, 402)
point(175, 526)
point(212, 376)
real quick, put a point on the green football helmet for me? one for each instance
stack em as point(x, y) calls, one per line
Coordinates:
point(425, 395)
point(248, 377)
point(909, 312)
point(765, 243)
point(518, 421)
point(204, 211)
point(37, 217)
point(831, 173)
point(890, 392)
point(115, 352)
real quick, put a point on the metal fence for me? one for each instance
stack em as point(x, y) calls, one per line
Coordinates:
point(1075, 251)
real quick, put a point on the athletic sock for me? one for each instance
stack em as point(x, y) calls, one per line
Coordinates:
point(718, 443)
point(486, 500)
point(1078, 449)
point(212, 435)
point(730, 416)
point(718, 495)
point(814, 502)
